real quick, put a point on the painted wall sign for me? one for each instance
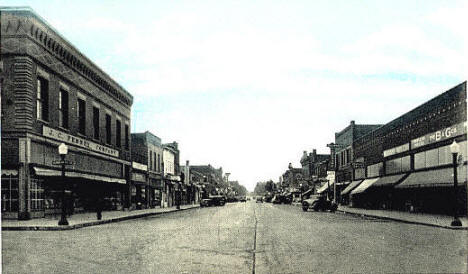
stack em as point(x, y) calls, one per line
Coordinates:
point(396, 150)
point(139, 166)
point(439, 135)
point(77, 141)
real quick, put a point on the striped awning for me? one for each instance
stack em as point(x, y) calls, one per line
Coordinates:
point(434, 178)
point(9, 172)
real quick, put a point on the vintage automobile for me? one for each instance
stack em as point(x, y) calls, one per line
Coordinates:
point(319, 202)
point(243, 199)
point(213, 200)
point(259, 199)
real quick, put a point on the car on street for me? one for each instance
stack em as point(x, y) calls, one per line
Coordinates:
point(319, 203)
point(243, 199)
point(259, 199)
point(214, 200)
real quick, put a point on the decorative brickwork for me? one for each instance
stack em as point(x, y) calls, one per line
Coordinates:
point(23, 79)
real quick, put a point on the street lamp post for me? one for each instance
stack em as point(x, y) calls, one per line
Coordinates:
point(63, 151)
point(455, 149)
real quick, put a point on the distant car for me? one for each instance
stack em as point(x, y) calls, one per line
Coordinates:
point(205, 202)
point(319, 202)
point(259, 199)
point(243, 199)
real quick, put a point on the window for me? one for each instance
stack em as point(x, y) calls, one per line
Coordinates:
point(375, 170)
point(154, 154)
point(42, 103)
point(127, 140)
point(159, 163)
point(151, 160)
point(108, 129)
point(9, 193)
point(96, 122)
point(398, 165)
point(118, 133)
point(36, 195)
point(81, 109)
point(63, 108)
point(437, 156)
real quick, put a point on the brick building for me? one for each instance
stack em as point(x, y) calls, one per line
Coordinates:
point(408, 161)
point(312, 170)
point(51, 94)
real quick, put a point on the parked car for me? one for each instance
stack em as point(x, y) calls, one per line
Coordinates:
point(259, 199)
point(319, 202)
point(243, 199)
point(215, 200)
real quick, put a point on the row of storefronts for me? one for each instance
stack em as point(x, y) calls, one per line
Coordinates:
point(51, 94)
point(407, 164)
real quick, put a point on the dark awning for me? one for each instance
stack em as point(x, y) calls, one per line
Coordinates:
point(364, 186)
point(39, 171)
point(350, 187)
point(388, 180)
point(433, 178)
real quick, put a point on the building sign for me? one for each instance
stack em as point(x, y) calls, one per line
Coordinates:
point(139, 166)
point(138, 177)
point(77, 141)
point(396, 150)
point(439, 135)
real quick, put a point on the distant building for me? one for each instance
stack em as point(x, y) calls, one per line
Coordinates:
point(212, 178)
point(310, 163)
point(146, 184)
point(51, 94)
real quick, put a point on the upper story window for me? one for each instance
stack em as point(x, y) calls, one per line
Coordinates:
point(118, 133)
point(108, 129)
point(127, 138)
point(63, 108)
point(81, 113)
point(96, 122)
point(42, 103)
point(151, 160)
point(159, 163)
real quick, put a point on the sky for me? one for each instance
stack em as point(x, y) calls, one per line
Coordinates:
point(250, 85)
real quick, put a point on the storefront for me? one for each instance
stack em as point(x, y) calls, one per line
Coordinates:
point(140, 188)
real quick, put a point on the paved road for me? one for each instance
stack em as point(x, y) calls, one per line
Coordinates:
point(239, 238)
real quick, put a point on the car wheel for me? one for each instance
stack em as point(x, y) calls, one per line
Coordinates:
point(305, 207)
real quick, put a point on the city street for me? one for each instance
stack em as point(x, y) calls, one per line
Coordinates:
point(239, 238)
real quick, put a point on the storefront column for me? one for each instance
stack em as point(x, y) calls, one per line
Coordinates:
point(24, 205)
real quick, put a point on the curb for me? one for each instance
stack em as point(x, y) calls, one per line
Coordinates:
point(401, 220)
point(81, 225)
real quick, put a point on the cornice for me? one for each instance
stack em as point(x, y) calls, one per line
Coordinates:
point(25, 22)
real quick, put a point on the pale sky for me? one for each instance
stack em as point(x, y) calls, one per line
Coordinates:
point(249, 85)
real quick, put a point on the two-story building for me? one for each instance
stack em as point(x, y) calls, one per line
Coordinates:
point(51, 94)
point(408, 161)
point(147, 185)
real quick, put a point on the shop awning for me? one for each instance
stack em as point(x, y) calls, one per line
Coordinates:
point(350, 187)
point(9, 172)
point(433, 178)
point(73, 174)
point(325, 187)
point(388, 180)
point(364, 185)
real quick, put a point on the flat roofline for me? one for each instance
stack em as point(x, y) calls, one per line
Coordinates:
point(47, 24)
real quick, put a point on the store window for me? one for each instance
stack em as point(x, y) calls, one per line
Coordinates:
point(36, 195)
point(96, 122)
point(63, 108)
point(437, 157)
point(42, 101)
point(398, 165)
point(108, 129)
point(9, 194)
point(81, 111)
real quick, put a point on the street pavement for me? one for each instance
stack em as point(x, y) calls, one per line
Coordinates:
point(239, 238)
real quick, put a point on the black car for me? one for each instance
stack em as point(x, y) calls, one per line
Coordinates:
point(215, 200)
point(319, 202)
point(243, 199)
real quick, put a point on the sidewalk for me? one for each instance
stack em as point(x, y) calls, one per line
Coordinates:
point(87, 219)
point(442, 221)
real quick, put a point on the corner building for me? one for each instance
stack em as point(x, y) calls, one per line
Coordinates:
point(52, 94)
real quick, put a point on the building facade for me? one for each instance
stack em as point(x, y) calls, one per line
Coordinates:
point(51, 94)
point(147, 185)
point(311, 172)
point(408, 160)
